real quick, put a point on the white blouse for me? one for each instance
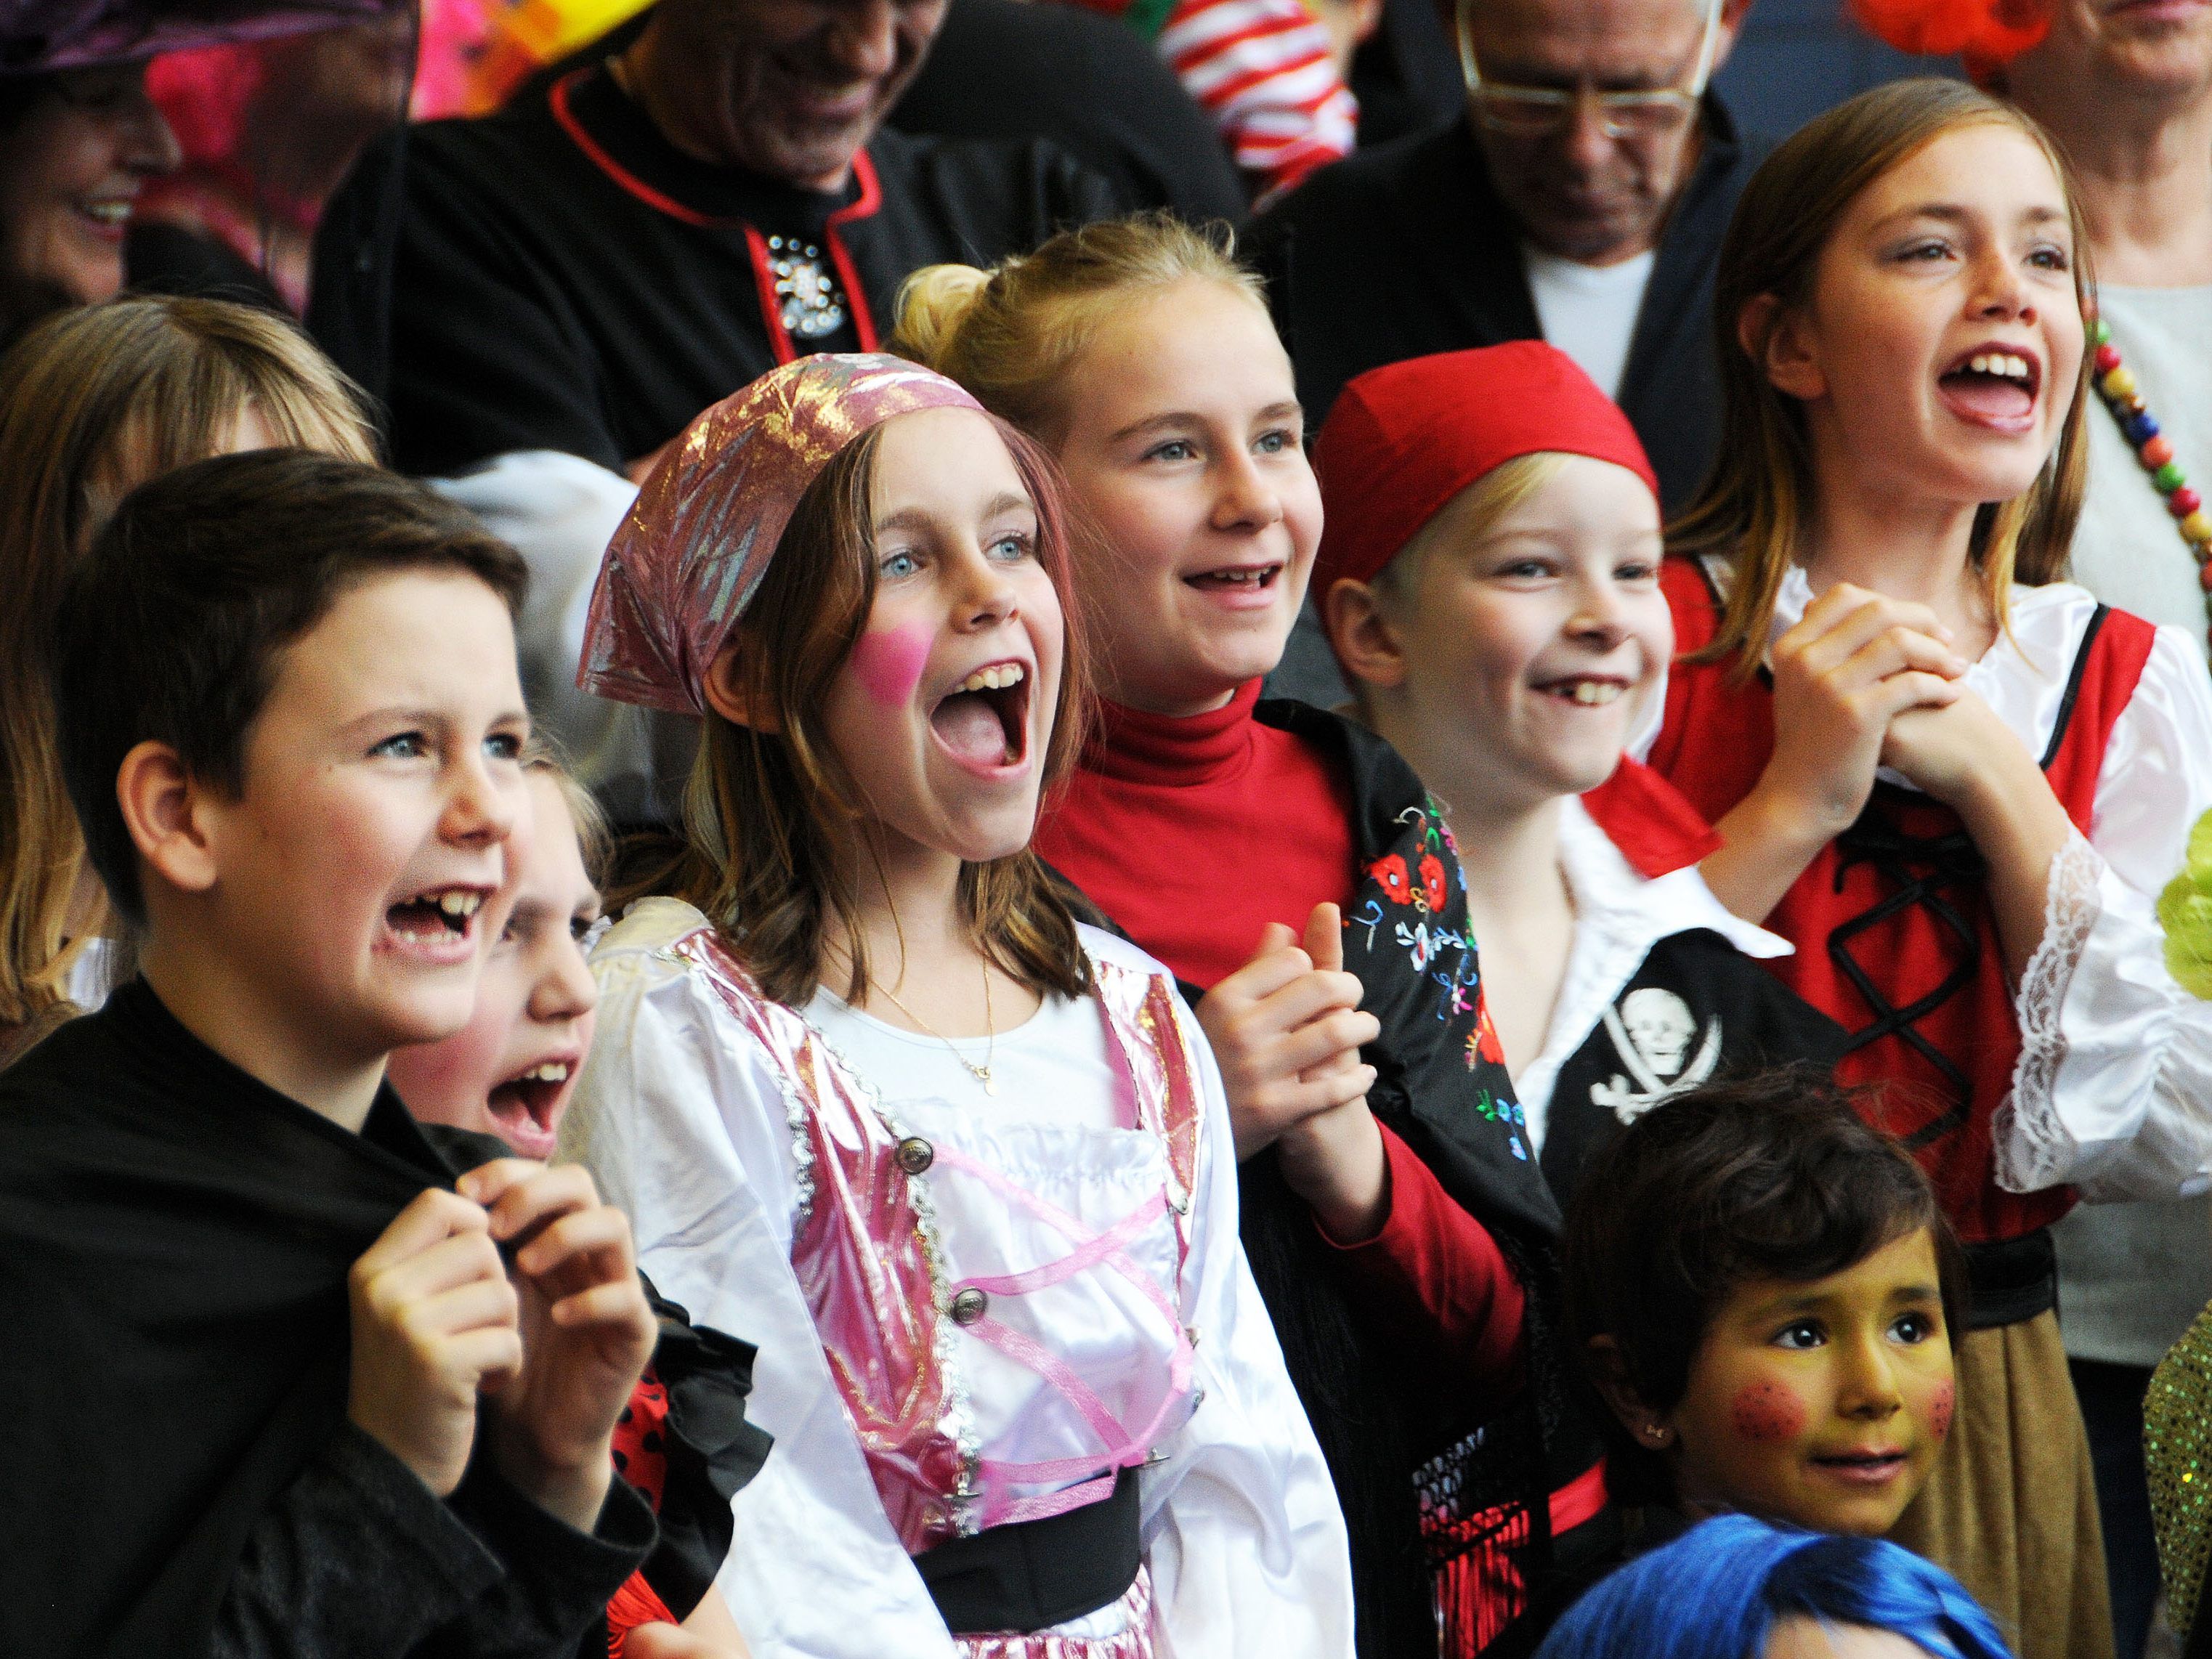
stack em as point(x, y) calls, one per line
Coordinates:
point(1619, 914)
point(2112, 1091)
point(684, 1122)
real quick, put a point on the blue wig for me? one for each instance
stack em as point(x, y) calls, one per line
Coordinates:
point(1718, 1591)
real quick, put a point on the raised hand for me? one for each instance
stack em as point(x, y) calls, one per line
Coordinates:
point(586, 1329)
point(1286, 1030)
point(435, 1323)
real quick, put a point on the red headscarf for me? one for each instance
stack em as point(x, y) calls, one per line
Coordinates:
point(1402, 441)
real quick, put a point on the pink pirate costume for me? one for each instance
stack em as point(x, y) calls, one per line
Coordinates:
point(1025, 1398)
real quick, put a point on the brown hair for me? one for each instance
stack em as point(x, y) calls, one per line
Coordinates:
point(93, 401)
point(595, 838)
point(773, 850)
point(172, 628)
point(1011, 334)
point(1751, 510)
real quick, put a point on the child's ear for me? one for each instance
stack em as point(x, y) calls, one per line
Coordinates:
point(728, 695)
point(162, 804)
point(1366, 642)
point(1776, 338)
point(1609, 1376)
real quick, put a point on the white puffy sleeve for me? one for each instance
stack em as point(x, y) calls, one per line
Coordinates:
point(683, 1126)
point(1243, 1534)
point(2112, 1091)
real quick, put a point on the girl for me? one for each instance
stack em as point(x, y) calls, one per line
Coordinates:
point(1739, 1588)
point(1490, 579)
point(1763, 1291)
point(535, 1011)
point(94, 403)
point(1949, 779)
point(871, 1091)
point(1142, 356)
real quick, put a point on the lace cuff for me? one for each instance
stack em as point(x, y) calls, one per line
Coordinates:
point(2033, 1148)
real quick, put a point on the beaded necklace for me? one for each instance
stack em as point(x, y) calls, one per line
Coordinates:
point(2116, 384)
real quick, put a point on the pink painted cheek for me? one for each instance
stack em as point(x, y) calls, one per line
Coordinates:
point(1767, 1412)
point(889, 665)
point(1941, 1406)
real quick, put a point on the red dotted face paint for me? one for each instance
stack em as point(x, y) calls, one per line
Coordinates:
point(1940, 1405)
point(1767, 1412)
point(889, 665)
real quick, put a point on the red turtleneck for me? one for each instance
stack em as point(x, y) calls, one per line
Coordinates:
point(1195, 832)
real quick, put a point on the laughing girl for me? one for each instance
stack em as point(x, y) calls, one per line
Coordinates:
point(872, 1094)
point(1950, 779)
point(1288, 862)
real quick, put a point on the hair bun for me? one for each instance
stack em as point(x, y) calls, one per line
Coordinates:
point(932, 305)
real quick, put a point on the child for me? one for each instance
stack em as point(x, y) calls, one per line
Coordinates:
point(509, 1073)
point(1736, 1588)
point(1142, 356)
point(1952, 781)
point(1761, 1289)
point(93, 402)
point(962, 1164)
point(1490, 581)
point(306, 1379)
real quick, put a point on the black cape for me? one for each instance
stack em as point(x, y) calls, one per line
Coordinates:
point(174, 1242)
point(503, 290)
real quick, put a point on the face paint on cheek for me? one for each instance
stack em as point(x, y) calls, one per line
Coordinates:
point(889, 665)
point(1941, 1406)
point(1767, 1412)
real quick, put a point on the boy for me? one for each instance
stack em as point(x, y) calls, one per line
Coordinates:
point(284, 1382)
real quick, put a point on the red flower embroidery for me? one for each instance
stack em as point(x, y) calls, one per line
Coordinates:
point(1390, 870)
point(1433, 880)
point(1485, 1034)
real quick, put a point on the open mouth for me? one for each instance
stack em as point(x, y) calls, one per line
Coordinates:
point(439, 915)
point(1253, 578)
point(1993, 385)
point(984, 721)
point(528, 1107)
point(1584, 691)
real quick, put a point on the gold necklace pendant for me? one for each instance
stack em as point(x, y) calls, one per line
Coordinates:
point(981, 1073)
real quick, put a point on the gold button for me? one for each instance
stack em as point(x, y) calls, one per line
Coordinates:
point(967, 1306)
point(915, 1155)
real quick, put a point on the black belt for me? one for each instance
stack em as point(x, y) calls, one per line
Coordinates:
point(2011, 1281)
point(1031, 1575)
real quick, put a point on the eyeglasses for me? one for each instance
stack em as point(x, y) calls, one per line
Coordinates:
point(1623, 116)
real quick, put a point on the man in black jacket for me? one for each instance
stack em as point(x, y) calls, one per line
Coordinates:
point(1582, 200)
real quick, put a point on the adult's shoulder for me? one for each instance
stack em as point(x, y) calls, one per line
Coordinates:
point(1089, 83)
point(989, 198)
point(1342, 197)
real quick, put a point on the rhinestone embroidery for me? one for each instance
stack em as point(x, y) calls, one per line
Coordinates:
point(808, 302)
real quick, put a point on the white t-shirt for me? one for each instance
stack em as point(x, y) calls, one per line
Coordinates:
point(1589, 311)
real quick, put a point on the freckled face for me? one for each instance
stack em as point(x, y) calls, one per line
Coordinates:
point(1821, 1404)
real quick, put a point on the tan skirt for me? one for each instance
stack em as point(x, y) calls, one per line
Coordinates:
point(2011, 1507)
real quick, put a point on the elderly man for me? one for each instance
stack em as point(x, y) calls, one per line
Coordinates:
point(546, 296)
point(1582, 200)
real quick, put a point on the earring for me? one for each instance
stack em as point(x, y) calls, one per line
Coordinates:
point(1655, 1433)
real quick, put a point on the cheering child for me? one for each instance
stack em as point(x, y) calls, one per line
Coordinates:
point(1385, 1172)
point(1952, 780)
point(1489, 576)
point(961, 1166)
point(313, 1379)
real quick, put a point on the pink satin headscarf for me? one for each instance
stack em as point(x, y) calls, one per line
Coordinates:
point(695, 544)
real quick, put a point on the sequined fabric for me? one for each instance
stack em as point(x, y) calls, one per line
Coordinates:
point(693, 547)
point(2177, 1461)
point(1132, 1641)
point(864, 1241)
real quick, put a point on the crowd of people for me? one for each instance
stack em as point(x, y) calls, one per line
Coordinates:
point(1252, 830)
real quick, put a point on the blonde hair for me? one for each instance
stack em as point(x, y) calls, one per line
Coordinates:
point(93, 402)
point(1009, 334)
point(1752, 509)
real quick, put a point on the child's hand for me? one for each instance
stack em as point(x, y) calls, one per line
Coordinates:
point(587, 1332)
point(434, 1323)
point(1954, 750)
point(1853, 663)
point(1287, 1032)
